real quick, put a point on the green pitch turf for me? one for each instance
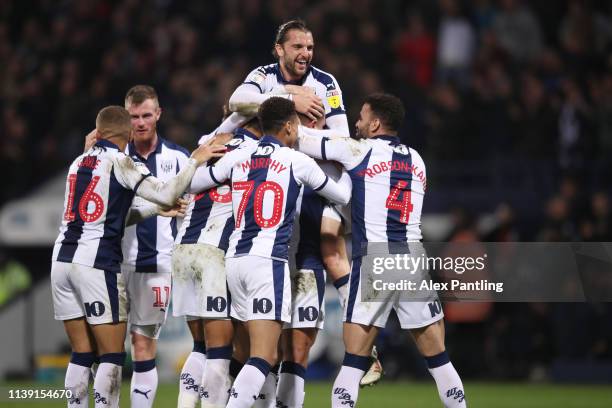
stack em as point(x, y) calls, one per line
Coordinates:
point(399, 394)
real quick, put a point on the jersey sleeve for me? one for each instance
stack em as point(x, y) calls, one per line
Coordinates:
point(129, 173)
point(257, 79)
point(347, 151)
point(308, 172)
point(135, 176)
point(231, 123)
point(253, 92)
point(333, 102)
point(207, 177)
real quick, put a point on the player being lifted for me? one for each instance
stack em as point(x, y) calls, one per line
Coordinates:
point(266, 181)
point(86, 281)
point(316, 93)
point(387, 199)
point(200, 289)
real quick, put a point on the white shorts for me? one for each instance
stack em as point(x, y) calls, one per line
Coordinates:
point(340, 214)
point(148, 297)
point(80, 290)
point(260, 288)
point(307, 293)
point(411, 314)
point(200, 288)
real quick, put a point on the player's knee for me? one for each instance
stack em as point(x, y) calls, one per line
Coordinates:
point(144, 342)
point(299, 353)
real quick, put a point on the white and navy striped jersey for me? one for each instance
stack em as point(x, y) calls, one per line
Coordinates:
point(268, 78)
point(305, 244)
point(148, 245)
point(99, 191)
point(389, 183)
point(266, 180)
point(209, 219)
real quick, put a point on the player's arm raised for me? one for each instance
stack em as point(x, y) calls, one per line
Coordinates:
point(207, 177)
point(309, 173)
point(348, 152)
point(136, 176)
point(145, 209)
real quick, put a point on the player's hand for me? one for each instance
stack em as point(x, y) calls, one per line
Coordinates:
point(178, 210)
point(222, 138)
point(207, 151)
point(309, 105)
point(299, 90)
point(90, 140)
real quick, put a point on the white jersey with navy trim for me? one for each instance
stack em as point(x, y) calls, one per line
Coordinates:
point(147, 246)
point(268, 79)
point(266, 180)
point(389, 182)
point(208, 219)
point(99, 191)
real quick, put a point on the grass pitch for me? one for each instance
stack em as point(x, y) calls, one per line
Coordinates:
point(394, 395)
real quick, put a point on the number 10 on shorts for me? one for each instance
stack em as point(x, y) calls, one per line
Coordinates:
point(158, 296)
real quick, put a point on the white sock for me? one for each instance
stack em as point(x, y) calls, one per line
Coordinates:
point(267, 395)
point(346, 385)
point(77, 379)
point(144, 384)
point(450, 387)
point(290, 390)
point(248, 384)
point(191, 375)
point(107, 384)
point(216, 381)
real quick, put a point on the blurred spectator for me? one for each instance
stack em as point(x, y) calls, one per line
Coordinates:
point(557, 225)
point(456, 44)
point(536, 127)
point(518, 30)
point(575, 128)
point(414, 52)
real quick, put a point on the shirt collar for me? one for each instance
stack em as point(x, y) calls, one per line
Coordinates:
point(132, 148)
point(271, 140)
point(282, 80)
point(392, 139)
point(246, 133)
point(106, 143)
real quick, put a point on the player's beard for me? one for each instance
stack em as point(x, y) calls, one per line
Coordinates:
point(292, 68)
point(144, 136)
point(359, 134)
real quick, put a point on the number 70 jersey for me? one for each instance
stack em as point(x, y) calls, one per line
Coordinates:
point(389, 183)
point(266, 180)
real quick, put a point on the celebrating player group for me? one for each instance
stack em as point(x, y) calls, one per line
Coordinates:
point(265, 201)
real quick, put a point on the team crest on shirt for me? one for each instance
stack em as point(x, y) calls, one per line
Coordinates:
point(333, 98)
point(401, 149)
point(166, 166)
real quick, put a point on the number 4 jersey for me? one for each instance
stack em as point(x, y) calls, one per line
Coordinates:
point(266, 179)
point(389, 183)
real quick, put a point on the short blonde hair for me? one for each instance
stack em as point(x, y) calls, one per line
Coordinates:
point(114, 121)
point(140, 93)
